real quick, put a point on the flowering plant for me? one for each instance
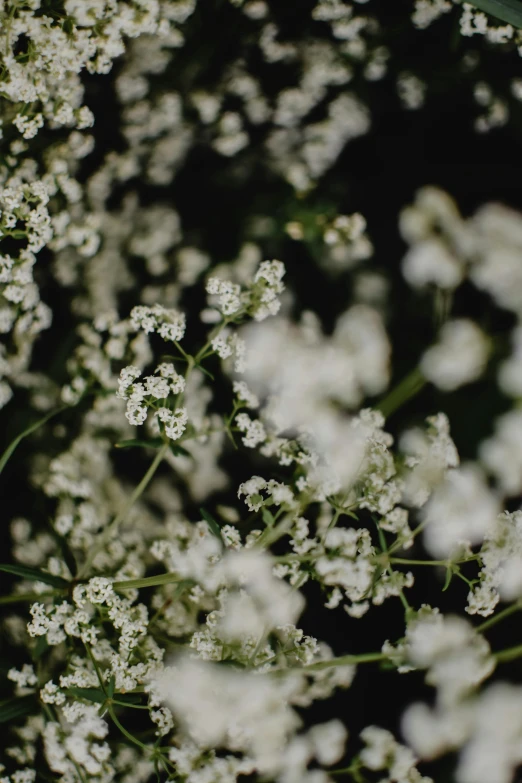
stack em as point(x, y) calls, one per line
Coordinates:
point(240, 485)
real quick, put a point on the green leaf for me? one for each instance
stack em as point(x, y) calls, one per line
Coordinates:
point(16, 708)
point(268, 517)
point(36, 575)
point(20, 598)
point(151, 443)
point(148, 581)
point(89, 694)
point(67, 554)
point(110, 689)
point(41, 647)
point(12, 446)
point(212, 524)
point(68, 25)
point(509, 11)
point(205, 371)
point(449, 574)
point(177, 450)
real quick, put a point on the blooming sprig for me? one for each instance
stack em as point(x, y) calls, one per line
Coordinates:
point(259, 300)
point(144, 395)
point(168, 323)
point(154, 627)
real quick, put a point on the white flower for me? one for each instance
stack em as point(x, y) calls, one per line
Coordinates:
point(23, 678)
point(429, 455)
point(252, 491)
point(241, 711)
point(502, 453)
point(461, 511)
point(175, 422)
point(254, 430)
point(127, 377)
point(458, 358)
point(329, 740)
point(245, 395)
point(457, 658)
point(169, 324)
point(431, 262)
point(163, 719)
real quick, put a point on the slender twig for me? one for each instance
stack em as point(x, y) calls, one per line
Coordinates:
point(500, 616)
point(148, 581)
point(346, 660)
point(32, 428)
point(502, 656)
point(126, 733)
point(411, 385)
point(18, 598)
point(113, 526)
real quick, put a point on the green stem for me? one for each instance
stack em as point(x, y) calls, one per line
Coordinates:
point(333, 522)
point(22, 597)
point(404, 602)
point(500, 616)
point(79, 772)
point(442, 306)
point(384, 547)
point(97, 669)
point(405, 561)
point(404, 391)
point(399, 544)
point(182, 586)
point(214, 333)
point(124, 731)
point(19, 438)
point(508, 655)
point(186, 356)
point(354, 770)
point(347, 660)
point(272, 534)
point(113, 526)
point(148, 581)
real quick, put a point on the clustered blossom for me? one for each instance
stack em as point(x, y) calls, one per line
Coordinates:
point(142, 395)
point(158, 620)
point(169, 324)
point(258, 301)
point(459, 358)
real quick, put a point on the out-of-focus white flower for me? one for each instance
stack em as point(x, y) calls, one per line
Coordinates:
point(429, 455)
point(219, 707)
point(430, 262)
point(502, 452)
point(460, 512)
point(459, 357)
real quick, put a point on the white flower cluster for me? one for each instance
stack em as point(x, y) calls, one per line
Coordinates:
point(143, 395)
point(345, 239)
point(500, 557)
point(259, 300)
point(488, 728)
point(169, 324)
point(126, 577)
point(248, 713)
point(456, 657)
point(383, 752)
point(460, 356)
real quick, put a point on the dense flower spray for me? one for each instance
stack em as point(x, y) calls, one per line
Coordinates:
point(203, 456)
